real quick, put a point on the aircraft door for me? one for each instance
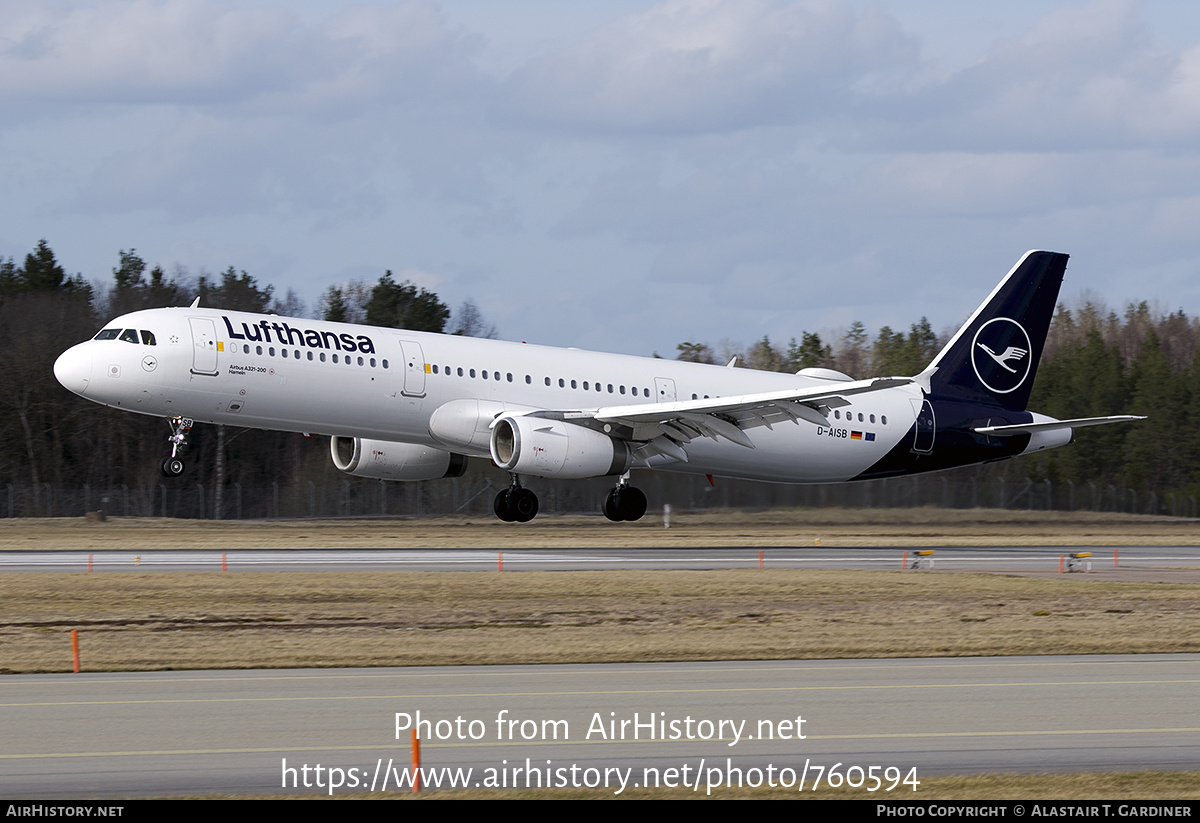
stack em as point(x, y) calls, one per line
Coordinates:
point(664, 390)
point(414, 369)
point(204, 345)
point(926, 427)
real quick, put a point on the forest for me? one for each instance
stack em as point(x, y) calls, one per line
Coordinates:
point(1097, 361)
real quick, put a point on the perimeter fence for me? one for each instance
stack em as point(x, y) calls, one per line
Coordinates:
point(473, 494)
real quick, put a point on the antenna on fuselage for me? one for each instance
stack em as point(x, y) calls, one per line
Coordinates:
point(195, 303)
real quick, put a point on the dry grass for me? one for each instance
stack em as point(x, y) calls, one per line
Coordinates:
point(187, 620)
point(782, 527)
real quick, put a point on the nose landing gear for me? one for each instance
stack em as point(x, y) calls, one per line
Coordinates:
point(173, 466)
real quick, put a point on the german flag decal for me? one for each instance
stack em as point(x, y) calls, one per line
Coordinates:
point(855, 435)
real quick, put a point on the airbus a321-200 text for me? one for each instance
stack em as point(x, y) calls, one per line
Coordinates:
point(402, 405)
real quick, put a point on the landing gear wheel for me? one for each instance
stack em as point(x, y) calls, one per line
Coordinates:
point(632, 504)
point(612, 506)
point(171, 467)
point(503, 507)
point(624, 503)
point(524, 505)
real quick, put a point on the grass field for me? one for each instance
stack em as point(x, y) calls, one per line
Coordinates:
point(200, 620)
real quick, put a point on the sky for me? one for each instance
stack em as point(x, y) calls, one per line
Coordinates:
point(621, 176)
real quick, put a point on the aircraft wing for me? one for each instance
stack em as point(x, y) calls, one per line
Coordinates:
point(664, 428)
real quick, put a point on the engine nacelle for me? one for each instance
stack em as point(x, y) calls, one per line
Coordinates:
point(555, 448)
point(385, 460)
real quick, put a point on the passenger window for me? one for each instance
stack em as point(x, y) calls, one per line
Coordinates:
point(646, 392)
point(547, 381)
point(472, 372)
point(883, 419)
point(509, 377)
point(435, 369)
point(496, 375)
point(322, 357)
point(372, 362)
point(271, 351)
point(460, 373)
point(259, 348)
point(283, 352)
point(574, 385)
point(561, 383)
point(148, 338)
point(484, 375)
point(129, 335)
point(622, 388)
point(872, 418)
point(385, 364)
point(335, 358)
point(528, 379)
point(360, 360)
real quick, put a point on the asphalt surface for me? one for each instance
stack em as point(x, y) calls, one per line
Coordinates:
point(251, 732)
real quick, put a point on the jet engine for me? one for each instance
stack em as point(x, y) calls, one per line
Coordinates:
point(384, 460)
point(554, 448)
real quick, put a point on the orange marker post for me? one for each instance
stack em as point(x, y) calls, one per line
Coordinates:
point(89, 562)
point(75, 648)
point(760, 558)
point(499, 561)
point(1114, 558)
point(904, 560)
point(224, 567)
point(416, 762)
point(1060, 563)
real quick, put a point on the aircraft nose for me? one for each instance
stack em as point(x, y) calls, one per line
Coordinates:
point(73, 368)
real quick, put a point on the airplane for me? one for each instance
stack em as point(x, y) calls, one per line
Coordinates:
point(404, 405)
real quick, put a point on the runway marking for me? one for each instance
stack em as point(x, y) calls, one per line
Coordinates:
point(533, 743)
point(749, 689)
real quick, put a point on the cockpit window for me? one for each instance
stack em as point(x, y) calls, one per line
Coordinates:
point(129, 335)
point(107, 334)
point(148, 337)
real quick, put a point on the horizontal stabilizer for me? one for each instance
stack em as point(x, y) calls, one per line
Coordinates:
point(1079, 423)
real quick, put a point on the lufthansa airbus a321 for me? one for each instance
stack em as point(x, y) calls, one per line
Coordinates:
point(402, 405)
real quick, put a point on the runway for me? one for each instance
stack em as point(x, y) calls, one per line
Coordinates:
point(239, 732)
point(1021, 559)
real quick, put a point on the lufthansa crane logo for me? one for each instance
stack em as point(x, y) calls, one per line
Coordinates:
point(1000, 355)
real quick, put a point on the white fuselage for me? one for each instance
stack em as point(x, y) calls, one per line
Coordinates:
point(386, 384)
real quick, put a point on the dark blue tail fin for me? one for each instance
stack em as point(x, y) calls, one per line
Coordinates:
point(994, 357)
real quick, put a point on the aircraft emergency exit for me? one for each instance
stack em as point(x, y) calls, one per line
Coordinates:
point(402, 405)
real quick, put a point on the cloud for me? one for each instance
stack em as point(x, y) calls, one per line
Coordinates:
point(204, 52)
point(697, 66)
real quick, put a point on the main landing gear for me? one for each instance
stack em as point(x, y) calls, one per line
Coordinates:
point(624, 502)
point(173, 466)
point(516, 504)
